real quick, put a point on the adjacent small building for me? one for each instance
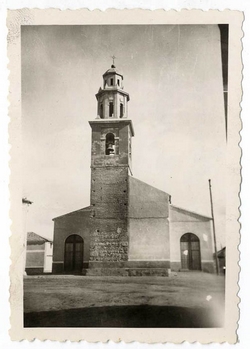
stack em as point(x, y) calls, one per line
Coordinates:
point(221, 255)
point(191, 243)
point(38, 254)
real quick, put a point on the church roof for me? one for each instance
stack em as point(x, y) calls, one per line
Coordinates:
point(33, 238)
point(88, 208)
point(146, 201)
point(189, 212)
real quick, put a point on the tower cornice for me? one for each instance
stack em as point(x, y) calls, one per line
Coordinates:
point(113, 123)
point(113, 89)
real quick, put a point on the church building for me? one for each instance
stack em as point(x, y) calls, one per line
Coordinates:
point(130, 227)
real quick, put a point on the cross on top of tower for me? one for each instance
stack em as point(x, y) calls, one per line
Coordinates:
point(113, 57)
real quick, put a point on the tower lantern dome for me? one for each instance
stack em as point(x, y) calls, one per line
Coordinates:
point(112, 99)
point(112, 77)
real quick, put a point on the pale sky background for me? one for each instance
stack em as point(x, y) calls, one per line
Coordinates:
point(174, 77)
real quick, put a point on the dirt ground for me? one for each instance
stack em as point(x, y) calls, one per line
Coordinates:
point(185, 300)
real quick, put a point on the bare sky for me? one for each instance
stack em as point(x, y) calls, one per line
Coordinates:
point(174, 77)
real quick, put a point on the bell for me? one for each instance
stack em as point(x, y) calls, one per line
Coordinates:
point(111, 147)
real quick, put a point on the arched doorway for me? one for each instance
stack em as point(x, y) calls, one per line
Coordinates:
point(73, 256)
point(190, 252)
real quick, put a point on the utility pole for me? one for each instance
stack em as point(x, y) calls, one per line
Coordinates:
point(212, 213)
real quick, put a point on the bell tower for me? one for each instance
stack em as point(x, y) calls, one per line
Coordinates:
point(110, 167)
point(112, 130)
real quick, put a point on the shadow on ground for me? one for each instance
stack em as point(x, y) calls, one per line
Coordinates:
point(125, 316)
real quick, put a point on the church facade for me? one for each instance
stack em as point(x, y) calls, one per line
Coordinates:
point(130, 227)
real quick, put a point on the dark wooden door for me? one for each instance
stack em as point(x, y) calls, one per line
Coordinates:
point(73, 257)
point(190, 252)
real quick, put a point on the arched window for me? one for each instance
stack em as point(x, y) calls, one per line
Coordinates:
point(110, 144)
point(101, 111)
point(111, 109)
point(121, 110)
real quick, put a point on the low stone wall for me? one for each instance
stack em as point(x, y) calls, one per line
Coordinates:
point(34, 271)
point(128, 268)
point(126, 272)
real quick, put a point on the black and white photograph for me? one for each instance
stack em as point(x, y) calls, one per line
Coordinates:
point(128, 145)
point(124, 132)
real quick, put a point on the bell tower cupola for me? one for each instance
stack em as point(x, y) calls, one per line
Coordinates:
point(112, 130)
point(112, 100)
